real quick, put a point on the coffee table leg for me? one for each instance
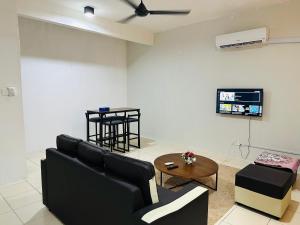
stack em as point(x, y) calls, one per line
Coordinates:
point(215, 188)
point(217, 177)
point(161, 179)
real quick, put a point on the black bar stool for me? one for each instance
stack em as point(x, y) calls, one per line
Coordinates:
point(113, 136)
point(99, 121)
point(96, 121)
point(133, 118)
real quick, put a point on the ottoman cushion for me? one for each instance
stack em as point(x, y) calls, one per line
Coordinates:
point(264, 180)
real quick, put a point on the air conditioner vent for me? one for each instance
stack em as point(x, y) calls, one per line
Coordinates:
point(243, 44)
point(242, 39)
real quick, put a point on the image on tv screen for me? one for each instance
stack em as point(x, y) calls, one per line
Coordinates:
point(246, 102)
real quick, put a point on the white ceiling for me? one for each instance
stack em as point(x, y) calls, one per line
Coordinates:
point(201, 10)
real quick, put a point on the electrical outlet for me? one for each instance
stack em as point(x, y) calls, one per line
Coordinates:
point(12, 91)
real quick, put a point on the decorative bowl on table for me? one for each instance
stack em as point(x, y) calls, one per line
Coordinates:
point(189, 157)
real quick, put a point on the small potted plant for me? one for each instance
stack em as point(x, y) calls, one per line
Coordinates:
point(189, 157)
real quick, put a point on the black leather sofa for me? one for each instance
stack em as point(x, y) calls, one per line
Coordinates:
point(86, 185)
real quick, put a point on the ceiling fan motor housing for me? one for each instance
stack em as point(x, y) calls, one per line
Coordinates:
point(141, 10)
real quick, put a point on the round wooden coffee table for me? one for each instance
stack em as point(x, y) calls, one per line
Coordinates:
point(203, 167)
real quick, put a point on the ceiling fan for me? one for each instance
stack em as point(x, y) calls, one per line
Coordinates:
point(142, 11)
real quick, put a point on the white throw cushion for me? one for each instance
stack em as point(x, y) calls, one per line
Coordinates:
point(173, 206)
point(153, 190)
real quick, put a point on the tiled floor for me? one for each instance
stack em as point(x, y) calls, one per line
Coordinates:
point(238, 215)
point(21, 202)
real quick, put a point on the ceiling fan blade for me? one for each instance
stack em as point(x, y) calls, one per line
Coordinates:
point(131, 3)
point(168, 12)
point(127, 19)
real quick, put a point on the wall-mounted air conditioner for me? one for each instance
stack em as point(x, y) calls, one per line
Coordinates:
point(242, 39)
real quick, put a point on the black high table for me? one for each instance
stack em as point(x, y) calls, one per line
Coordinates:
point(102, 115)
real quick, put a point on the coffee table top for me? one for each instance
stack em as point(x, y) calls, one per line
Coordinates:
point(203, 167)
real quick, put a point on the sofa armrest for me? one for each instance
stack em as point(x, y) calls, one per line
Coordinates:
point(44, 177)
point(44, 181)
point(188, 206)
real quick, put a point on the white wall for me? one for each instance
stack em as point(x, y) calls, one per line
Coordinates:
point(64, 73)
point(12, 154)
point(175, 81)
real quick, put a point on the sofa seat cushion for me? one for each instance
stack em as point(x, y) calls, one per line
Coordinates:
point(91, 154)
point(137, 172)
point(264, 180)
point(67, 145)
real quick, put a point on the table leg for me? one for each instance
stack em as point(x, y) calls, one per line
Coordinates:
point(139, 130)
point(101, 134)
point(215, 187)
point(161, 179)
point(87, 115)
point(217, 177)
point(101, 131)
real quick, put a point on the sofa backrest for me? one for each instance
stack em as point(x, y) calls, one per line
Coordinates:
point(88, 153)
point(138, 172)
point(75, 190)
point(91, 155)
point(67, 145)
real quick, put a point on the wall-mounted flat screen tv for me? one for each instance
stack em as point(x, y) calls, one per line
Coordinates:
point(245, 102)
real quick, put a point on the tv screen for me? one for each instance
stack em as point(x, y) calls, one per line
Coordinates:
point(246, 102)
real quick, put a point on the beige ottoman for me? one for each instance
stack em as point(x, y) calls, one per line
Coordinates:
point(263, 188)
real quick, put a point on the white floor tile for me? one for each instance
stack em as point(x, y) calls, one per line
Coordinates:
point(24, 199)
point(31, 211)
point(245, 217)
point(47, 219)
point(296, 195)
point(40, 190)
point(35, 174)
point(31, 167)
point(148, 158)
point(36, 161)
point(134, 155)
point(9, 219)
point(289, 218)
point(35, 180)
point(220, 221)
point(11, 190)
point(37, 157)
point(4, 208)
